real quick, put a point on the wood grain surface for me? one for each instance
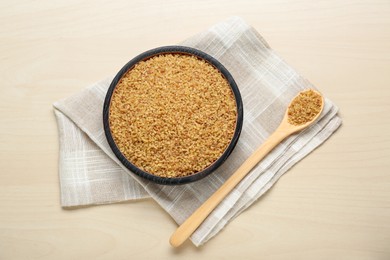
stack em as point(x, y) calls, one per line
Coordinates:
point(335, 204)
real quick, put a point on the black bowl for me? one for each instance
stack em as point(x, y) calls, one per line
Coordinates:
point(164, 50)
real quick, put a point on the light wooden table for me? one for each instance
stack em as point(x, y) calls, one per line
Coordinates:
point(335, 204)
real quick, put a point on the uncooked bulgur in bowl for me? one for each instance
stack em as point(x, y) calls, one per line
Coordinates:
point(173, 115)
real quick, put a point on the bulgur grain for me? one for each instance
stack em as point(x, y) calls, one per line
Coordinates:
point(172, 115)
point(304, 107)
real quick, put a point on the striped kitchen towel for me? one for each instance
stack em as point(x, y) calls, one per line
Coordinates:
point(89, 173)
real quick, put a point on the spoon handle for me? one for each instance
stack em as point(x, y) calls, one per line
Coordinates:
point(195, 220)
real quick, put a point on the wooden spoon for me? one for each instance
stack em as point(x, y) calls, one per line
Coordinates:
point(284, 130)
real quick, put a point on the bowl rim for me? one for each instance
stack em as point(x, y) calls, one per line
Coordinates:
point(166, 50)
